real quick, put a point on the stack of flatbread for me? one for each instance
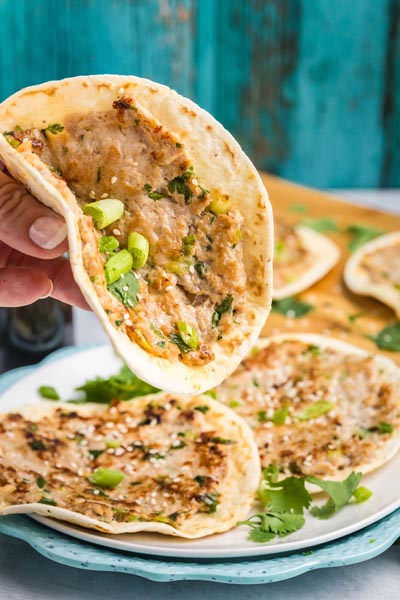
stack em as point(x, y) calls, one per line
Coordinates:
point(171, 237)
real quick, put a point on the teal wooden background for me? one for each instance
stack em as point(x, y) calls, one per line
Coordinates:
point(311, 88)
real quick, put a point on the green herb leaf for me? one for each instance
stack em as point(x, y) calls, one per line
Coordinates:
point(54, 128)
point(265, 526)
point(220, 309)
point(128, 296)
point(279, 416)
point(322, 225)
point(48, 501)
point(179, 185)
point(202, 409)
point(49, 392)
point(288, 495)
point(177, 340)
point(220, 440)
point(40, 482)
point(122, 386)
point(360, 235)
point(201, 269)
point(291, 308)
point(388, 338)
point(210, 500)
point(298, 208)
point(339, 492)
point(96, 453)
point(156, 195)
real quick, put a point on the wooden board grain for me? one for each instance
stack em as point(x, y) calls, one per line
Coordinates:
point(333, 302)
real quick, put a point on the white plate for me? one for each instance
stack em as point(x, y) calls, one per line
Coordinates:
point(71, 371)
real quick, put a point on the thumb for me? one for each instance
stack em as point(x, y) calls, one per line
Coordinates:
point(26, 224)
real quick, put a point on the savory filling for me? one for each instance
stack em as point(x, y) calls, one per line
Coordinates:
point(383, 265)
point(313, 411)
point(291, 258)
point(163, 253)
point(162, 463)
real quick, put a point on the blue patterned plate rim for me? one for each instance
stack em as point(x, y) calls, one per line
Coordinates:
point(357, 547)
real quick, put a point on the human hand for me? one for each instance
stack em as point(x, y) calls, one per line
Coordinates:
point(32, 244)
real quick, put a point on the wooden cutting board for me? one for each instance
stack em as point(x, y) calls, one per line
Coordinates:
point(337, 311)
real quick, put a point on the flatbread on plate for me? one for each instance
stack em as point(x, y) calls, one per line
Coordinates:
point(302, 257)
point(184, 318)
point(374, 270)
point(317, 406)
point(183, 466)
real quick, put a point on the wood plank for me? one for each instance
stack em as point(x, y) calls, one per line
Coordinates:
point(333, 302)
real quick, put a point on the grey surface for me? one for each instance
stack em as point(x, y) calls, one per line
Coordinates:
point(26, 575)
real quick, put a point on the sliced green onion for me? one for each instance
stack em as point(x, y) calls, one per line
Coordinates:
point(111, 443)
point(104, 212)
point(315, 410)
point(117, 265)
point(49, 392)
point(220, 205)
point(107, 478)
point(188, 243)
point(361, 494)
point(138, 246)
point(188, 335)
point(179, 267)
point(107, 244)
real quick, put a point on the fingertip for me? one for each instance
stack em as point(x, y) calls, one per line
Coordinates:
point(20, 286)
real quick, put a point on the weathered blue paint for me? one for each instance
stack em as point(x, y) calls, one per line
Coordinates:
point(311, 88)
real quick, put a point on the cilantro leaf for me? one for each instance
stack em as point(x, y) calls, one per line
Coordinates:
point(54, 128)
point(180, 186)
point(322, 225)
point(339, 492)
point(388, 338)
point(178, 341)
point(360, 235)
point(288, 495)
point(265, 526)
point(220, 309)
point(124, 386)
point(128, 296)
point(291, 308)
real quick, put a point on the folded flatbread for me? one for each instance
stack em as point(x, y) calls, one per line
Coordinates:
point(183, 466)
point(317, 406)
point(374, 270)
point(184, 319)
point(302, 257)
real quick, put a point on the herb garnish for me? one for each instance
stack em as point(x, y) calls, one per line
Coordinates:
point(180, 186)
point(322, 225)
point(201, 269)
point(177, 340)
point(286, 500)
point(128, 296)
point(40, 482)
point(360, 235)
point(203, 408)
point(388, 338)
point(107, 244)
point(220, 309)
point(291, 308)
point(54, 128)
point(48, 501)
point(124, 386)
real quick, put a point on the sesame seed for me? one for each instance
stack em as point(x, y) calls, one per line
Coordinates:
point(129, 323)
point(119, 452)
point(116, 232)
point(114, 179)
point(169, 288)
point(121, 90)
point(125, 288)
point(105, 195)
point(92, 194)
point(191, 269)
point(96, 492)
point(153, 422)
point(25, 139)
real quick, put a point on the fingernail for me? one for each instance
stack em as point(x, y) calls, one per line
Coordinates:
point(50, 288)
point(48, 232)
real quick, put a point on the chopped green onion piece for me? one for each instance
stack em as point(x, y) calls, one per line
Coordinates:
point(138, 246)
point(107, 244)
point(188, 243)
point(315, 410)
point(104, 212)
point(188, 335)
point(117, 265)
point(179, 267)
point(48, 392)
point(220, 205)
point(361, 494)
point(107, 478)
point(111, 443)
point(279, 416)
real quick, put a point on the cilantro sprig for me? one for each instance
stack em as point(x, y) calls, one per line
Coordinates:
point(285, 501)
